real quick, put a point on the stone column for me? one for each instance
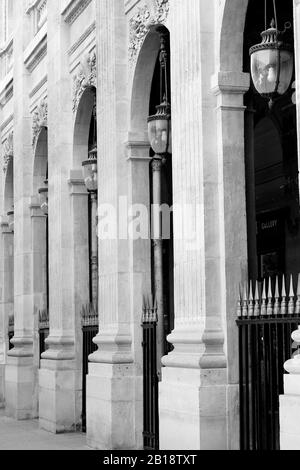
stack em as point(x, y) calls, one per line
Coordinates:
point(139, 264)
point(289, 408)
point(199, 390)
point(20, 374)
point(296, 96)
point(250, 193)
point(7, 299)
point(39, 275)
point(60, 375)
point(112, 384)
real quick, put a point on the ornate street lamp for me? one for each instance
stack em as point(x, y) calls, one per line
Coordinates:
point(159, 134)
point(43, 195)
point(272, 62)
point(90, 171)
point(90, 176)
point(11, 220)
point(159, 125)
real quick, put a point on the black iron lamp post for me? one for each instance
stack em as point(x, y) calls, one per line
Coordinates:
point(272, 61)
point(90, 176)
point(159, 134)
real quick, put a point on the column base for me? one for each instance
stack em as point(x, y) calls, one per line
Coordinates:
point(289, 414)
point(2, 385)
point(193, 409)
point(114, 397)
point(21, 393)
point(60, 396)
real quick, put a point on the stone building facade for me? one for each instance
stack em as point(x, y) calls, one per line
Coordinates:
point(55, 57)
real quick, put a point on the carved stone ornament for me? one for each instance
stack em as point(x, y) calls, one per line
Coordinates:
point(86, 77)
point(141, 22)
point(39, 120)
point(8, 151)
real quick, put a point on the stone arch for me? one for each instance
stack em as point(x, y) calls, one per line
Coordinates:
point(9, 187)
point(40, 163)
point(82, 126)
point(141, 86)
point(230, 44)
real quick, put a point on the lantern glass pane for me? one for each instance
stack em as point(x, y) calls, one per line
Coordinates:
point(286, 71)
point(158, 132)
point(264, 70)
point(90, 176)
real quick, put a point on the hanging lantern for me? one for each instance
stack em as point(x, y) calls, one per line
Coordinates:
point(90, 166)
point(43, 194)
point(159, 129)
point(90, 171)
point(272, 63)
point(159, 125)
point(11, 220)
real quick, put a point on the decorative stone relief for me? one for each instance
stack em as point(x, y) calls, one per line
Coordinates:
point(8, 150)
point(40, 119)
point(140, 23)
point(86, 77)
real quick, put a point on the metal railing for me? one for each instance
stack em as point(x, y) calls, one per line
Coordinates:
point(90, 328)
point(266, 319)
point(150, 377)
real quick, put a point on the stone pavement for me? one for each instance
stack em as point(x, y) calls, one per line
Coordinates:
point(26, 435)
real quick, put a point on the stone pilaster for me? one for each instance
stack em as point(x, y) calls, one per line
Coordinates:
point(112, 383)
point(60, 376)
point(39, 279)
point(20, 374)
point(290, 402)
point(7, 299)
point(198, 393)
point(296, 96)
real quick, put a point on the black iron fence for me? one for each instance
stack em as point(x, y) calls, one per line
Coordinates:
point(43, 330)
point(266, 322)
point(150, 378)
point(90, 328)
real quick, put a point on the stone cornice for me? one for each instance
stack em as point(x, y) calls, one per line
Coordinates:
point(37, 50)
point(82, 38)
point(38, 86)
point(7, 46)
point(6, 89)
point(6, 122)
point(74, 10)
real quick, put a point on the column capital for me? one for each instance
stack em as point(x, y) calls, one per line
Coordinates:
point(35, 208)
point(138, 149)
point(76, 183)
point(230, 82)
point(4, 226)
